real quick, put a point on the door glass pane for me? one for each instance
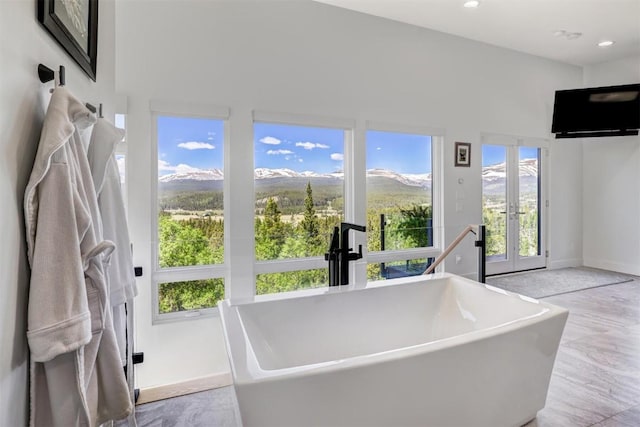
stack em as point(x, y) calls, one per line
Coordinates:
point(494, 200)
point(529, 201)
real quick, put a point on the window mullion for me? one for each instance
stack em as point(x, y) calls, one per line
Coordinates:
point(356, 195)
point(239, 236)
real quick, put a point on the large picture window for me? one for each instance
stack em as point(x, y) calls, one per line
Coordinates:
point(190, 219)
point(299, 198)
point(399, 199)
point(309, 174)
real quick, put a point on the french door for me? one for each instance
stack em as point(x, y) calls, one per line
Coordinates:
point(513, 204)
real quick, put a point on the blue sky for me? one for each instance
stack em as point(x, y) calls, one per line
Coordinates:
point(321, 150)
point(400, 152)
point(298, 148)
point(186, 144)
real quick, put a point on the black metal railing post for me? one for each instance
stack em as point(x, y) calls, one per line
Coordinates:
point(481, 244)
point(383, 224)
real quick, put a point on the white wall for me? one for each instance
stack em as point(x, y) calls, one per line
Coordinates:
point(611, 197)
point(23, 101)
point(314, 59)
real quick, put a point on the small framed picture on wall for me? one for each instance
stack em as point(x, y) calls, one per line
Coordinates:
point(463, 154)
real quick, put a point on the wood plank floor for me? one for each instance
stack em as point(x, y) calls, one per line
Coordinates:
point(595, 382)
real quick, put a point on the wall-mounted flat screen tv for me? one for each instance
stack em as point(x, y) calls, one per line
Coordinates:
point(601, 111)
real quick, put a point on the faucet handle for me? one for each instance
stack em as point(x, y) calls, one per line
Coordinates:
point(355, 255)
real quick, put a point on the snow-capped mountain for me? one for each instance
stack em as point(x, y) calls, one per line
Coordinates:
point(528, 168)
point(265, 173)
point(197, 175)
point(494, 177)
point(490, 174)
point(417, 180)
point(414, 180)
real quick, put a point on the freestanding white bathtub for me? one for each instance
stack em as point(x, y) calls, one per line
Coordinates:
point(422, 351)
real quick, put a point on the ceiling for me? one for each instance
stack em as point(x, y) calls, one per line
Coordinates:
point(528, 26)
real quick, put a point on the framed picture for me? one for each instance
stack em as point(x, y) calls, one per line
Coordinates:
point(74, 25)
point(463, 154)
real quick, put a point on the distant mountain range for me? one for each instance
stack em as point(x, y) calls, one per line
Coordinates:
point(414, 180)
point(494, 177)
point(528, 168)
point(384, 180)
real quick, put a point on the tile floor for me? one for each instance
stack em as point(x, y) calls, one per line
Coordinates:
point(595, 382)
point(596, 377)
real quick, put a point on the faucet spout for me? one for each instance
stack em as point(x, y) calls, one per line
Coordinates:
point(339, 253)
point(345, 254)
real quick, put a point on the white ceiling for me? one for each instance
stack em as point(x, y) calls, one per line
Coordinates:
point(524, 25)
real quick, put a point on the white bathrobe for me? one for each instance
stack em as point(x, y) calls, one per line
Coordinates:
point(106, 178)
point(76, 375)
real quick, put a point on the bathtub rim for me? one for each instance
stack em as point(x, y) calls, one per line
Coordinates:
point(246, 369)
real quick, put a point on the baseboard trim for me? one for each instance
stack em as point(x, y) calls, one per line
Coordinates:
point(564, 263)
point(166, 391)
point(618, 267)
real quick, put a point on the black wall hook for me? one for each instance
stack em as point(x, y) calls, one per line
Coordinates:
point(61, 75)
point(45, 73)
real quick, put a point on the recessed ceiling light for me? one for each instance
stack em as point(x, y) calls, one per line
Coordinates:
point(606, 43)
point(567, 34)
point(471, 4)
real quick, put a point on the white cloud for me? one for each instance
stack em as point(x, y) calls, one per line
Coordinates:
point(276, 152)
point(270, 140)
point(378, 148)
point(310, 145)
point(164, 166)
point(196, 145)
point(337, 156)
point(300, 160)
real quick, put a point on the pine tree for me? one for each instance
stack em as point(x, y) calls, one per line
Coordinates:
point(270, 233)
point(309, 223)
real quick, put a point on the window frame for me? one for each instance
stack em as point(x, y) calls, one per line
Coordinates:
point(348, 126)
point(161, 275)
point(437, 141)
point(240, 126)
